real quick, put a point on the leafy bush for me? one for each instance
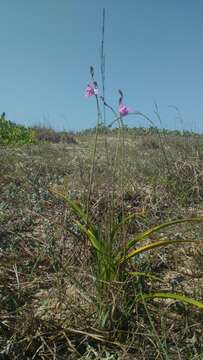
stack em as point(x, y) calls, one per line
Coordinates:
point(11, 133)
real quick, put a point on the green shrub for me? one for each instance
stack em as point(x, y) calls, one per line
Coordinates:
point(11, 133)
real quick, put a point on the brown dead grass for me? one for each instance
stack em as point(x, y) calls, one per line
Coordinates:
point(44, 270)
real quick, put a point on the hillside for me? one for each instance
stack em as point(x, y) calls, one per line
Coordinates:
point(49, 303)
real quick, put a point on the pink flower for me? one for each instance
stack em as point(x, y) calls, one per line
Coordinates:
point(123, 110)
point(91, 90)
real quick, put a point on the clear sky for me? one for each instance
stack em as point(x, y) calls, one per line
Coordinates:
point(154, 53)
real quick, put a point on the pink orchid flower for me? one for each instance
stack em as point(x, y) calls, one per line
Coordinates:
point(124, 110)
point(91, 90)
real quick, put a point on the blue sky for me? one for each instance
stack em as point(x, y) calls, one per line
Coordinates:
point(154, 53)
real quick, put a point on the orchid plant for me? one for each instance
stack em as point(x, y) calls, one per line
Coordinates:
point(113, 257)
point(92, 89)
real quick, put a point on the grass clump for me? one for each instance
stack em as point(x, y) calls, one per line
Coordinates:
point(112, 263)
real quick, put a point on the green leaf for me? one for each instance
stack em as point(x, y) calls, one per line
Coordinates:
point(174, 296)
point(153, 246)
point(77, 209)
point(92, 238)
point(145, 234)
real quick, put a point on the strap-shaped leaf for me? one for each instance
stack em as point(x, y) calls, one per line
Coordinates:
point(147, 233)
point(174, 296)
point(92, 238)
point(77, 209)
point(153, 246)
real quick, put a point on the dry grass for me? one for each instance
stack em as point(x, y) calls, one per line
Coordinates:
point(46, 283)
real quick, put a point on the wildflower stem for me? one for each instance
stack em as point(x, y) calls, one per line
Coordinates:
point(93, 157)
point(102, 66)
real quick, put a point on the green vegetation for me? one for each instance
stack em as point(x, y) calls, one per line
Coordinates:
point(11, 133)
point(82, 276)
